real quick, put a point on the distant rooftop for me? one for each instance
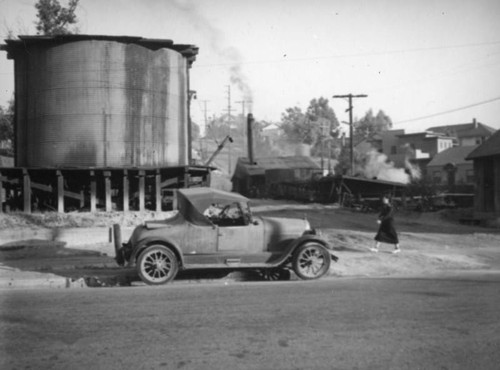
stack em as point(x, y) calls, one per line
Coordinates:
point(471, 129)
point(455, 155)
point(491, 147)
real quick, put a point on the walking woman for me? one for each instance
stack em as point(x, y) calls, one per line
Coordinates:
point(386, 231)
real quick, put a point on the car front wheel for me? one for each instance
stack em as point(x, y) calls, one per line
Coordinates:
point(311, 261)
point(157, 265)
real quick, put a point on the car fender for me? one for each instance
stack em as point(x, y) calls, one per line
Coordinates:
point(311, 238)
point(146, 242)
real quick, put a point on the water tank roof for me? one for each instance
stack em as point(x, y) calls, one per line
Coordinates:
point(20, 44)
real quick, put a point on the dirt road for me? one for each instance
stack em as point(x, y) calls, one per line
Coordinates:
point(431, 244)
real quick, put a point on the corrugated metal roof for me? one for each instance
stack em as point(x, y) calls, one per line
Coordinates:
point(490, 147)
point(455, 155)
point(286, 162)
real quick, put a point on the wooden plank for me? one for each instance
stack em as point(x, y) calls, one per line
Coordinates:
point(142, 190)
point(42, 187)
point(26, 191)
point(169, 182)
point(60, 192)
point(126, 187)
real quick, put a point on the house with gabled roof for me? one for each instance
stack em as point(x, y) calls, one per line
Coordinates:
point(486, 159)
point(466, 134)
point(450, 168)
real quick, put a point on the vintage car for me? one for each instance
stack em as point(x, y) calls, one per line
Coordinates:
point(213, 229)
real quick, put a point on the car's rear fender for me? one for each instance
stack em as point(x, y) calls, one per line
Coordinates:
point(155, 241)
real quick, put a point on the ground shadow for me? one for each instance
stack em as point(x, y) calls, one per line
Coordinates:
point(100, 270)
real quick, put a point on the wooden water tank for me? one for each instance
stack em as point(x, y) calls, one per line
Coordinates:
point(100, 101)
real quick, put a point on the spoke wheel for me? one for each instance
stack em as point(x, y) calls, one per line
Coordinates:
point(157, 265)
point(275, 274)
point(311, 261)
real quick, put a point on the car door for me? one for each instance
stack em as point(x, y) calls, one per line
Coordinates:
point(200, 246)
point(245, 239)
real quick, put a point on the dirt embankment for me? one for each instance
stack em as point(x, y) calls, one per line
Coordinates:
point(432, 243)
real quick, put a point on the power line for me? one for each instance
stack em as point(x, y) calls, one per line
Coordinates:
point(335, 56)
point(449, 111)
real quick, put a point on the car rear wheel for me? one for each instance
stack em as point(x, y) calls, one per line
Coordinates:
point(275, 274)
point(157, 265)
point(311, 261)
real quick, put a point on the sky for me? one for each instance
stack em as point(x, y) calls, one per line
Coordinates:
point(423, 62)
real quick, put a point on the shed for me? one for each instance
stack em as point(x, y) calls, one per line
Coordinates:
point(486, 159)
point(258, 178)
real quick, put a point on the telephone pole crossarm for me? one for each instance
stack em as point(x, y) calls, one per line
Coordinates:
point(351, 131)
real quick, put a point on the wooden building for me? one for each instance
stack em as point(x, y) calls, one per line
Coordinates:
point(486, 159)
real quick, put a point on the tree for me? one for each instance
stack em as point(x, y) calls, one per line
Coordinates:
point(312, 127)
point(195, 131)
point(54, 19)
point(295, 126)
point(369, 125)
point(7, 127)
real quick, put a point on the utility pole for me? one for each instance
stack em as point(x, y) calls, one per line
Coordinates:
point(229, 110)
point(351, 131)
point(202, 150)
point(242, 102)
point(205, 111)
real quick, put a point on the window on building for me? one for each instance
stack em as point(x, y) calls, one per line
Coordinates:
point(436, 177)
point(394, 149)
point(469, 176)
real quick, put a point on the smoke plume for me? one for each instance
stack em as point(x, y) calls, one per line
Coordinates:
point(373, 164)
point(216, 43)
point(376, 165)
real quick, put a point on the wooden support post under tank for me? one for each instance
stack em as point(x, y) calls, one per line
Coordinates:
point(93, 191)
point(187, 177)
point(107, 190)
point(2, 193)
point(208, 177)
point(60, 192)
point(158, 191)
point(125, 191)
point(26, 191)
point(142, 188)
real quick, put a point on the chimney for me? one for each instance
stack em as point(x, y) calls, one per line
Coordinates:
point(475, 123)
point(250, 122)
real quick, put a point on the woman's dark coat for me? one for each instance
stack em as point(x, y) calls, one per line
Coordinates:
point(386, 232)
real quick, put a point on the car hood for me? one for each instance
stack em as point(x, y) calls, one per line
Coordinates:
point(278, 229)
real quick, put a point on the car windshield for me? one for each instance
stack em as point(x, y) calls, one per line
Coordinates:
point(205, 206)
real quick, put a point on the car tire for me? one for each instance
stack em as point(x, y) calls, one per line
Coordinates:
point(157, 265)
point(311, 261)
point(275, 274)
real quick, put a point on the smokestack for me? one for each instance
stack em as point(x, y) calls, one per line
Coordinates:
point(250, 121)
